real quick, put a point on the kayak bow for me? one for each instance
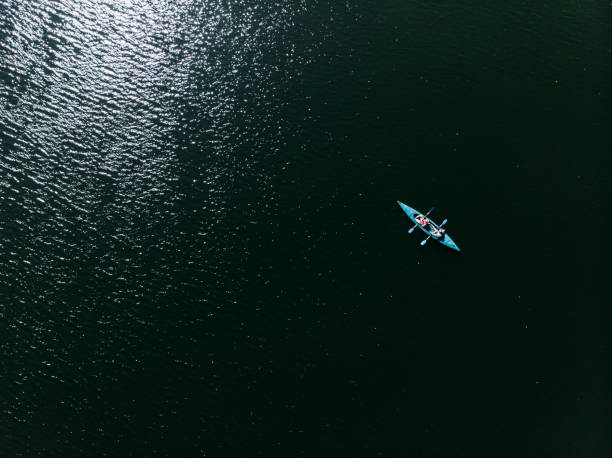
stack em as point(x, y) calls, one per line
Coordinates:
point(429, 228)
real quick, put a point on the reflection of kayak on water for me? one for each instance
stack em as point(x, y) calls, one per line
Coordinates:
point(428, 226)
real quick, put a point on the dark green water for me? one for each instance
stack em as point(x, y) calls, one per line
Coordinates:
point(201, 254)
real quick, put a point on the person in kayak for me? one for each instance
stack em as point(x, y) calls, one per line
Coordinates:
point(437, 232)
point(421, 220)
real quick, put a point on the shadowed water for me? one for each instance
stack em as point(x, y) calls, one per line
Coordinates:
point(201, 254)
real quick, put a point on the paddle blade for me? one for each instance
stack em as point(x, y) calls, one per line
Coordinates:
point(424, 241)
point(444, 222)
point(411, 230)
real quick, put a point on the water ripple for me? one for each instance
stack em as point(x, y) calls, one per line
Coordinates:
point(134, 135)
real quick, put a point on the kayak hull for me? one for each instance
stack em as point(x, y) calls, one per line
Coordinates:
point(444, 239)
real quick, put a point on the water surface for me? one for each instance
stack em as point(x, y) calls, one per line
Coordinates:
point(201, 252)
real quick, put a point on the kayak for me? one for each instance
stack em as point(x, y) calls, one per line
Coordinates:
point(430, 228)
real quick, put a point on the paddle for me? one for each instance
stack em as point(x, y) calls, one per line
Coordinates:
point(414, 227)
point(425, 241)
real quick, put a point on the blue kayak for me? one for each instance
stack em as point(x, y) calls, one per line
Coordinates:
point(430, 228)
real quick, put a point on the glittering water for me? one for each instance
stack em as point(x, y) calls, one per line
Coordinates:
point(201, 253)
